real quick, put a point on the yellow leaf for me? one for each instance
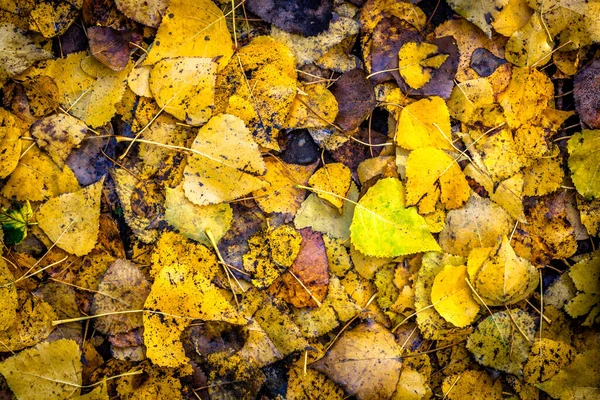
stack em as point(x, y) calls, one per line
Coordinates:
point(53, 19)
point(184, 87)
point(413, 60)
point(149, 12)
point(138, 80)
point(481, 14)
point(512, 17)
point(530, 46)
point(280, 193)
point(314, 107)
point(584, 162)
point(578, 380)
point(183, 293)
point(426, 166)
point(10, 143)
point(86, 88)
point(57, 135)
point(468, 96)
point(451, 296)
point(37, 178)
point(18, 51)
point(194, 221)
point(543, 177)
point(502, 277)
point(72, 219)
point(8, 297)
point(227, 167)
point(425, 123)
point(192, 28)
point(463, 385)
point(334, 178)
point(50, 370)
point(477, 224)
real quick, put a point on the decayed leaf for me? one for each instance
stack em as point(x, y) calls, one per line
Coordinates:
point(53, 19)
point(10, 144)
point(335, 179)
point(37, 178)
point(383, 227)
point(149, 12)
point(194, 221)
point(122, 288)
point(50, 370)
point(586, 90)
point(477, 224)
point(530, 46)
point(468, 96)
point(415, 58)
point(452, 297)
point(270, 254)
point(57, 135)
point(308, 19)
point(365, 361)
point(280, 193)
point(311, 273)
point(227, 167)
point(320, 216)
point(502, 340)
point(543, 177)
point(426, 166)
point(184, 87)
point(182, 293)
point(480, 14)
point(546, 359)
point(589, 211)
point(425, 123)
point(586, 277)
point(187, 23)
point(310, 384)
point(314, 107)
point(33, 323)
point(71, 220)
point(109, 46)
point(14, 223)
point(584, 162)
point(499, 276)
point(472, 384)
point(578, 380)
point(17, 51)
point(355, 98)
point(158, 383)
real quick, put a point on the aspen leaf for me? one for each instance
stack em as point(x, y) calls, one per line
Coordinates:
point(502, 340)
point(138, 80)
point(8, 294)
point(452, 297)
point(501, 277)
point(310, 383)
point(383, 227)
point(543, 177)
point(365, 361)
point(184, 87)
point(32, 324)
point(183, 293)
point(414, 59)
point(578, 380)
point(88, 89)
point(193, 220)
point(480, 14)
point(425, 123)
point(185, 24)
point(37, 178)
point(334, 178)
point(547, 358)
point(122, 288)
point(467, 96)
point(50, 370)
point(17, 51)
point(72, 219)
point(10, 143)
point(512, 17)
point(316, 107)
point(157, 383)
point(584, 162)
point(426, 166)
point(149, 12)
point(589, 212)
point(57, 135)
point(280, 193)
point(227, 168)
point(471, 383)
point(530, 46)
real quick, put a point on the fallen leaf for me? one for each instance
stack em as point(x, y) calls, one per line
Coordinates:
point(425, 123)
point(149, 13)
point(332, 182)
point(578, 380)
point(502, 341)
point(586, 91)
point(381, 212)
point(365, 361)
point(10, 144)
point(8, 294)
point(530, 46)
point(109, 46)
point(452, 297)
point(481, 15)
point(584, 162)
point(308, 19)
point(14, 223)
point(57, 135)
point(71, 220)
point(49, 370)
point(355, 98)
point(17, 51)
point(470, 384)
point(547, 358)
point(414, 59)
point(586, 302)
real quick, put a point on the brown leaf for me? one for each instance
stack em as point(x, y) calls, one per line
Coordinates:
point(587, 94)
point(311, 268)
point(355, 97)
point(109, 46)
point(307, 18)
